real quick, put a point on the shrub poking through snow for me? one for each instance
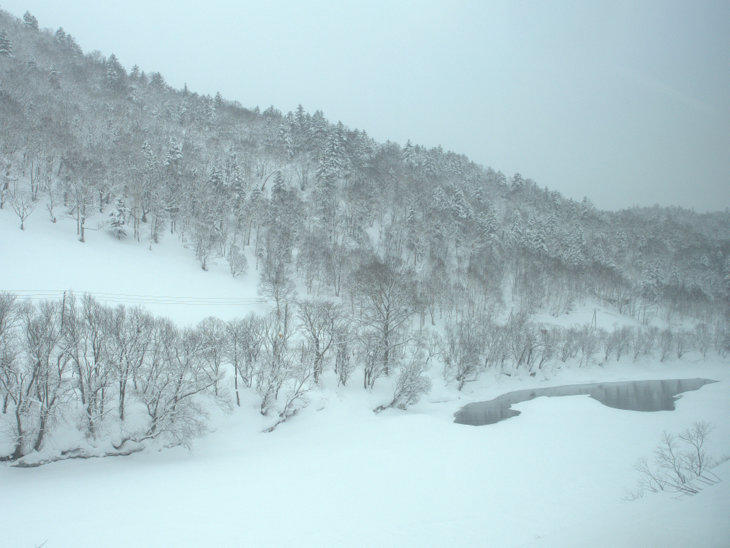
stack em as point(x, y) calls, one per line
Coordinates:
point(681, 464)
point(412, 382)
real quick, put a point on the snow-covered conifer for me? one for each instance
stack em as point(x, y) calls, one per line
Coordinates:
point(30, 21)
point(118, 219)
point(6, 46)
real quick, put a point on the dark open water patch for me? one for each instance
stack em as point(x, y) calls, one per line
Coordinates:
point(630, 395)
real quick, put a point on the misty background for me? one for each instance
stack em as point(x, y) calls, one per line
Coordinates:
point(625, 103)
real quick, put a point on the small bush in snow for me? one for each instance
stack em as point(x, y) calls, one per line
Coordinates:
point(681, 464)
point(411, 384)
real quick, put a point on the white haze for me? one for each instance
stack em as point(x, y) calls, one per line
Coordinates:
point(626, 103)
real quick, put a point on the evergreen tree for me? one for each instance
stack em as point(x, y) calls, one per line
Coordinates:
point(301, 118)
point(408, 155)
point(317, 130)
point(285, 139)
point(157, 80)
point(72, 45)
point(118, 220)
point(54, 79)
point(6, 46)
point(278, 188)
point(301, 129)
point(115, 73)
point(330, 165)
point(30, 21)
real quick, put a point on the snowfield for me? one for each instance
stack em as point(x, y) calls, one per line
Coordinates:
point(46, 259)
point(338, 474)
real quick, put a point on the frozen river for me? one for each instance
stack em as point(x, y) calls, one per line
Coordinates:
point(650, 395)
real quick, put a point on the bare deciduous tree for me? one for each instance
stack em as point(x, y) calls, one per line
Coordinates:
point(386, 296)
point(343, 355)
point(213, 346)
point(22, 204)
point(318, 320)
point(681, 463)
point(412, 381)
point(462, 350)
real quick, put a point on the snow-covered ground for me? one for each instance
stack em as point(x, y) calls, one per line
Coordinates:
point(588, 314)
point(557, 475)
point(46, 259)
point(338, 474)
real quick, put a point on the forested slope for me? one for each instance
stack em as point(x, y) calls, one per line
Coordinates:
point(318, 199)
point(376, 257)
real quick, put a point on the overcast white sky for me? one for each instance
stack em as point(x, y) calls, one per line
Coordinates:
point(624, 102)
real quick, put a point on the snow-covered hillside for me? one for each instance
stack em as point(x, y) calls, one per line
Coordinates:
point(228, 326)
point(338, 474)
point(46, 259)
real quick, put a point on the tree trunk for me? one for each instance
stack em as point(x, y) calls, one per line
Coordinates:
point(235, 384)
point(122, 394)
point(18, 452)
point(41, 429)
